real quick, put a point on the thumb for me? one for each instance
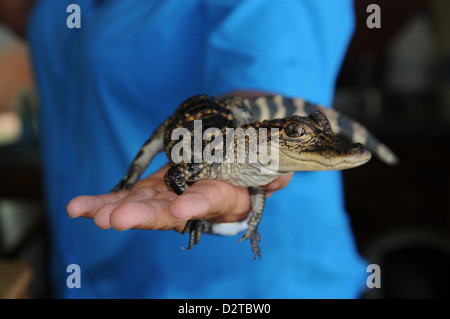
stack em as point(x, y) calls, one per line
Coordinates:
point(212, 200)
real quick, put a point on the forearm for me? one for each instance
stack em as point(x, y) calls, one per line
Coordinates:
point(15, 13)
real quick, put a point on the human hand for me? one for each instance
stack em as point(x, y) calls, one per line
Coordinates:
point(150, 204)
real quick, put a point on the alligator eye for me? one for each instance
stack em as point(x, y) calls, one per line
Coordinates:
point(294, 130)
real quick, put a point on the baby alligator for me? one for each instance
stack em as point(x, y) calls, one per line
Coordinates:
point(249, 143)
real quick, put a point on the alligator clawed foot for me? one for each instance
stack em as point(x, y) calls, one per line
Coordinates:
point(253, 234)
point(195, 228)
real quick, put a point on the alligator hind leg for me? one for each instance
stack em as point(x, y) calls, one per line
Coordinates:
point(258, 199)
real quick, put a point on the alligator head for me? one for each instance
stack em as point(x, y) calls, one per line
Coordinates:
point(309, 144)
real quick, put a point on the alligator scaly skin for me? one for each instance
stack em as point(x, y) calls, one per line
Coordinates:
point(308, 141)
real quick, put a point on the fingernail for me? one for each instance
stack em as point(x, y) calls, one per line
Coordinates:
point(183, 219)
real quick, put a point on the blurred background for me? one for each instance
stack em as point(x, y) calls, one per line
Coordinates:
point(395, 80)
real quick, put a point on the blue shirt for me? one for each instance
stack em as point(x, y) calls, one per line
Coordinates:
point(105, 87)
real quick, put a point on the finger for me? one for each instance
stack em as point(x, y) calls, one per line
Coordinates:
point(147, 214)
point(279, 183)
point(155, 180)
point(116, 215)
point(138, 194)
point(213, 200)
point(86, 206)
point(102, 216)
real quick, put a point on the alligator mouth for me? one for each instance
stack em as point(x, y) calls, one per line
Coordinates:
point(357, 155)
point(361, 156)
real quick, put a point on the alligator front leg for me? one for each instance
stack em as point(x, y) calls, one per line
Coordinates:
point(195, 228)
point(177, 178)
point(257, 199)
point(152, 146)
